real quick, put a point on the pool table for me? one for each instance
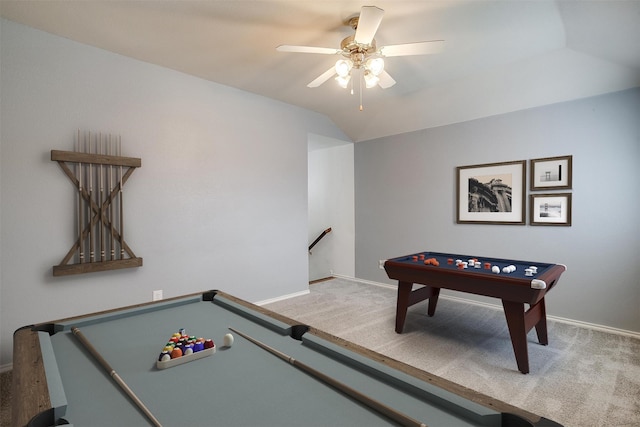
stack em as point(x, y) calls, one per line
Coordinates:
point(449, 271)
point(57, 381)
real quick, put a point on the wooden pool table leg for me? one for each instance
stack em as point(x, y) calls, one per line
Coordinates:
point(541, 326)
point(407, 298)
point(514, 312)
point(520, 322)
point(402, 303)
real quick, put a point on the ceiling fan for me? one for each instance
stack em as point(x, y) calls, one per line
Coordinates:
point(361, 53)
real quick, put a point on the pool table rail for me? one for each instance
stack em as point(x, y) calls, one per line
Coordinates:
point(501, 286)
point(31, 402)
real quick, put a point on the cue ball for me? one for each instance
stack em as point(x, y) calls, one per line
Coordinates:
point(228, 340)
point(495, 269)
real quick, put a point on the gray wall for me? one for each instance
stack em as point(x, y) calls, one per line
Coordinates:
point(405, 200)
point(220, 200)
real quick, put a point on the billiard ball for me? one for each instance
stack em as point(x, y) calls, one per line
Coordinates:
point(228, 340)
point(495, 269)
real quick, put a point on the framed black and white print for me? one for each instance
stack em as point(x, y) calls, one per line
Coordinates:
point(492, 193)
point(550, 209)
point(551, 173)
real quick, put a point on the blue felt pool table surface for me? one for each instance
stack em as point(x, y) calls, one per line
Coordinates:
point(242, 385)
point(443, 260)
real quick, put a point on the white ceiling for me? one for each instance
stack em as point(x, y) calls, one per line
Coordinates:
point(500, 56)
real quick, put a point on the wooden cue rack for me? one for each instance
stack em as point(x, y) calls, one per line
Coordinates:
point(99, 178)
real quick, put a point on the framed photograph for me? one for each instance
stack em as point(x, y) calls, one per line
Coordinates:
point(551, 173)
point(550, 209)
point(492, 193)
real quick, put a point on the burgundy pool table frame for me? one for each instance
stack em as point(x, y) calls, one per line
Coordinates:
point(515, 290)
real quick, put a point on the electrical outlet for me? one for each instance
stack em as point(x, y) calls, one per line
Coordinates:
point(381, 264)
point(157, 295)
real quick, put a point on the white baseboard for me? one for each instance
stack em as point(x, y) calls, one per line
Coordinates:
point(282, 298)
point(6, 368)
point(593, 326)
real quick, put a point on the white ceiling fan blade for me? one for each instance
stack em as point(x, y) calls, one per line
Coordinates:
point(368, 23)
point(386, 81)
point(417, 48)
point(323, 77)
point(308, 49)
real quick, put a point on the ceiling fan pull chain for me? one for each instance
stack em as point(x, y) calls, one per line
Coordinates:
point(360, 80)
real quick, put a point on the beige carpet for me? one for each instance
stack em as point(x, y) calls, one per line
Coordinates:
point(583, 378)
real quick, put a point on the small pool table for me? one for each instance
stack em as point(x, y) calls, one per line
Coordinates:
point(473, 274)
point(56, 380)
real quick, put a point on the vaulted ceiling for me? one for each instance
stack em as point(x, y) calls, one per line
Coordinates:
point(499, 56)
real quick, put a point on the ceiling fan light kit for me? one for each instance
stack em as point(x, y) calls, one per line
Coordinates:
point(361, 53)
point(343, 67)
point(343, 82)
point(375, 65)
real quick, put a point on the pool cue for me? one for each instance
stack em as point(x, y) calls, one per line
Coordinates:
point(80, 216)
point(121, 202)
point(101, 210)
point(92, 254)
point(83, 340)
point(399, 417)
point(111, 240)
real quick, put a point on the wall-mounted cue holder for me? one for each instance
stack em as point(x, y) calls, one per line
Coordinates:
point(98, 172)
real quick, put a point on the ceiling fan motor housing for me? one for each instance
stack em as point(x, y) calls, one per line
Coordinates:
point(356, 52)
